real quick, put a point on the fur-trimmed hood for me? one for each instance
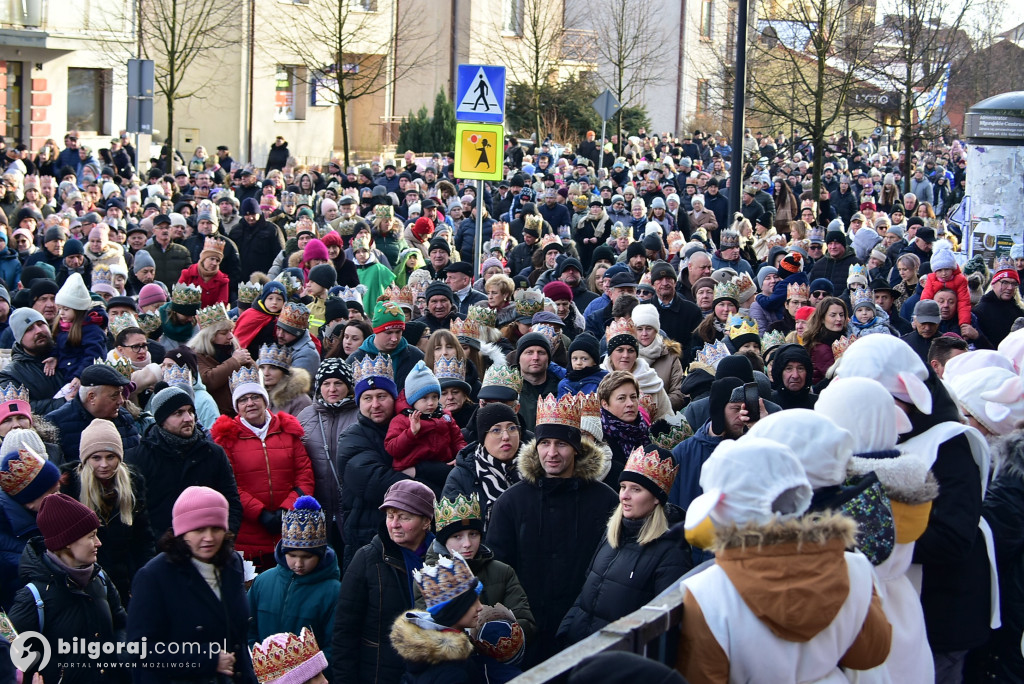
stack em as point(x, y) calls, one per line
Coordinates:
point(417, 644)
point(294, 383)
point(227, 431)
point(591, 463)
point(1007, 454)
point(46, 430)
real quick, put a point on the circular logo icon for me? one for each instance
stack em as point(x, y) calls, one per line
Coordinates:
point(30, 649)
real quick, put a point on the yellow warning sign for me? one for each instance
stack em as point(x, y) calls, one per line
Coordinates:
point(479, 151)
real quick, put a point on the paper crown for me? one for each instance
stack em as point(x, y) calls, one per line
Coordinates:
point(499, 230)
point(21, 471)
point(186, 295)
point(503, 376)
point(776, 241)
point(620, 326)
point(440, 583)
point(465, 328)
point(816, 235)
point(590, 405)
point(650, 465)
point(213, 244)
point(528, 302)
point(400, 296)
point(745, 283)
point(378, 367)
point(534, 221)
point(741, 325)
point(839, 346)
point(772, 339)
point(149, 322)
point(857, 271)
point(549, 332)
point(548, 240)
point(728, 290)
point(102, 275)
point(798, 291)
point(668, 435)
point(353, 294)
point(243, 376)
point(448, 511)
point(178, 376)
point(248, 292)
point(274, 355)
point(449, 369)
point(1003, 263)
point(862, 297)
point(483, 315)
point(122, 322)
point(281, 655)
point(211, 315)
point(294, 315)
point(120, 364)
point(554, 411)
point(9, 393)
point(620, 230)
point(290, 282)
point(711, 354)
point(305, 527)
point(361, 242)
point(384, 211)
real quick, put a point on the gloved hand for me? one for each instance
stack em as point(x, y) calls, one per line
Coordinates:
point(271, 521)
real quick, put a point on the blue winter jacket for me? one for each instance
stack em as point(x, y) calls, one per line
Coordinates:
point(587, 385)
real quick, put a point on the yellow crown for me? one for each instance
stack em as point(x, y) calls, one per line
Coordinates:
point(650, 465)
point(122, 322)
point(840, 345)
point(248, 292)
point(274, 355)
point(281, 654)
point(590, 405)
point(465, 328)
point(461, 508)
point(213, 244)
point(528, 302)
point(120, 364)
point(186, 295)
point(504, 376)
point(620, 326)
point(620, 230)
point(798, 291)
point(211, 315)
point(401, 297)
point(534, 221)
point(483, 315)
point(741, 325)
point(442, 582)
point(564, 411)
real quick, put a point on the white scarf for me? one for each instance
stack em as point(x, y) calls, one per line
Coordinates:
point(260, 432)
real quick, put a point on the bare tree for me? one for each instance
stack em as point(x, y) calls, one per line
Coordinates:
point(347, 55)
point(532, 37)
point(803, 70)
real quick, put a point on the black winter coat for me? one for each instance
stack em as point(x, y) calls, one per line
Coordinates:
point(169, 470)
point(835, 270)
point(258, 245)
point(72, 418)
point(996, 317)
point(126, 548)
point(27, 369)
point(547, 529)
point(69, 612)
point(375, 589)
point(463, 478)
point(620, 581)
point(678, 321)
point(173, 603)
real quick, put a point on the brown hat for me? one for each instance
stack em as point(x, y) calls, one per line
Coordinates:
point(410, 496)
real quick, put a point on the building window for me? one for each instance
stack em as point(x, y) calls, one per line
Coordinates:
point(363, 5)
point(512, 17)
point(290, 93)
point(730, 35)
point(703, 96)
point(12, 115)
point(705, 19)
point(87, 100)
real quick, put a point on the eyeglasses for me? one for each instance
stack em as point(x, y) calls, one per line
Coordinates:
point(819, 294)
point(136, 347)
point(250, 399)
point(511, 431)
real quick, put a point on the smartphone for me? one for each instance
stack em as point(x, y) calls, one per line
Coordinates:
point(750, 400)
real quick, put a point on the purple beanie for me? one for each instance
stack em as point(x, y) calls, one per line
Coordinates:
point(151, 294)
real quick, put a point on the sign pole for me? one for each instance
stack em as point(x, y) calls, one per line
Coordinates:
point(600, 156)
point(478, 243)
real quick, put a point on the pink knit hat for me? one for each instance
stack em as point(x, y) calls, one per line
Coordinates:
point(151, 294)
point(199, 507)
point(315, 249)
point(99, 232)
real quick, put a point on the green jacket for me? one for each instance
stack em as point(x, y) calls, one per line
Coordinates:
point(169, 263)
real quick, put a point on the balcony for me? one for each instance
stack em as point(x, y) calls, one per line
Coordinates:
point(578, 46)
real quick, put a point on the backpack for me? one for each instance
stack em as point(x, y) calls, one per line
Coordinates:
point(40, 613)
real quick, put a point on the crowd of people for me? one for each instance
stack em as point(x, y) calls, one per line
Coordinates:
point(281, 411)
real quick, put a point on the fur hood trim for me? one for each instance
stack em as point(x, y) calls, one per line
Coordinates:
point(227, 431)
point(295, 382)
point(46, 430)
point(417, 644)
point(816, 528)
point(1007, 454)
point(907, 478)
point(591, 463)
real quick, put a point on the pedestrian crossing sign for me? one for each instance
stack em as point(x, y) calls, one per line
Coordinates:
point(480, 93)
point(479, 151)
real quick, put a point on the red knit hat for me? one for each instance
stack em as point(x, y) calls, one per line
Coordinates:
point(62, 520)
point(1006, 273)
point(423, 228)
point(332, 239)
point(804, 313)
point(556, 290)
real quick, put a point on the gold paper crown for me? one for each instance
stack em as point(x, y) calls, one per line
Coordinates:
point(550, 239)
point(483, 315)
point(294, 315)
point(590, 405)
point(244, 376)
point(401, 297)
point(667, 435)
point(862, 297)
point(213, 244)
point(379, 366)
point(248, 292)
point(534, 221)
point(620, 326)
point(120, 364)
point(179, 376)
point(448, 511)
point(651, 466)
point(727, 290)
point(564, 411)
point(149, 322)
point(101, 275)
point(211, 315)
point(528, 302)
point(504, 376)
point(272, 660)
point(711, 354)
point(122, 322)
point(361, 241)
point(798, 291)
point(21, 471)
point(449, 369)
point(384, 211)
point(620, 230)
point(290, 282)
point(549, 332)
point(772, 339)
point(839, 346)
point(9, 393)
point(186, 295)
point(465, 328)
point(274, 355)
point(741, 325)
point(499, 230)
point(442, 582)
point(744, 282)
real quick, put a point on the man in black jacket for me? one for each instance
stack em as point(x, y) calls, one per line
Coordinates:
point(679, 317)
point(258, 240)
point(999, 307)
point(33, 345)
point(100, 396)
point(791, 378)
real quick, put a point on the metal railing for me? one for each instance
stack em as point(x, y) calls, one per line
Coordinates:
point(578, 45)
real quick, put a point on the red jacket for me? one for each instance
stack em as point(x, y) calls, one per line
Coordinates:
point(822, 359)
point(214, 290)
point(958, 284)
point(439, 439)
point(250, 323)
point(270, 475)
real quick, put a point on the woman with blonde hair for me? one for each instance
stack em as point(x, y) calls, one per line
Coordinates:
point(499, 289)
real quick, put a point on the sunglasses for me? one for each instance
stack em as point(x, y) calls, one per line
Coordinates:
point(819, 294)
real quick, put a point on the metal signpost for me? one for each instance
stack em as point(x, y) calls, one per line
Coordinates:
point(606, 106)
point(140, 103)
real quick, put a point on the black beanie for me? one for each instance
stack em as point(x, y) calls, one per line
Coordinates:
point(490, 415)
point(721, 392)
point(635, 249)
point(43, 287)
point(585, 342)
point(735, 366)
point(324, 275)
point(335, 308)
point(413, 332)
point(603, 253)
